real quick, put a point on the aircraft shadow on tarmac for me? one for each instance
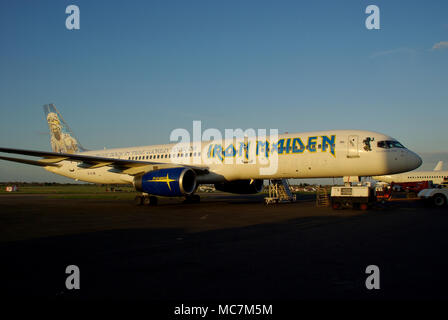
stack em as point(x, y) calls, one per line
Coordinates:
point(303, 258)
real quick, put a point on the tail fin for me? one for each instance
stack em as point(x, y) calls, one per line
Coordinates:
point(62, 138)
point(439, 166)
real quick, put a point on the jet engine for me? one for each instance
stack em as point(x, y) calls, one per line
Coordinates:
point(241, 186)
point(170, 182)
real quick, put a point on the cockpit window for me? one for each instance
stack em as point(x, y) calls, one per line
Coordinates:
point(389, 144)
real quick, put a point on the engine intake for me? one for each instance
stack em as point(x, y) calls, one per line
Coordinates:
point(171, 182)
point(241, 186)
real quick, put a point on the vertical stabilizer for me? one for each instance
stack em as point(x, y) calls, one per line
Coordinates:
point(439, 166)
point(62, 138)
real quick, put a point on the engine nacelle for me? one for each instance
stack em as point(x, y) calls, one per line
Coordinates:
point(170, 182)
point(241, 186)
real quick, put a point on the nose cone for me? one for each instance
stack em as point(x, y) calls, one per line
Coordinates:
point(414, 160)
point(401, 161)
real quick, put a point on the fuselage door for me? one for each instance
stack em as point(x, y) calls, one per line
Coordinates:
point(352, 147)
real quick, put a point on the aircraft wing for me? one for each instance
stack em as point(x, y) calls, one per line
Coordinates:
point(131, 167)
point(32, 162)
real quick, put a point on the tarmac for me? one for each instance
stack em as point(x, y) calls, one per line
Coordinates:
point(225, 248)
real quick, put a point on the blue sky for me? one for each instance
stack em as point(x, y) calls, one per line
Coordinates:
point(138, 69)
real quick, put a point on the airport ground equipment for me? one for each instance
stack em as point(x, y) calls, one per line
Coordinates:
point(279, 192)
point(352, 197)
point(322, 199)
point(435, 196)
point(11, 188)
point(395, 191)
point(412, 186)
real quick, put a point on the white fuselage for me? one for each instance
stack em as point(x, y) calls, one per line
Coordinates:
point(334, 153)
point(436, 177)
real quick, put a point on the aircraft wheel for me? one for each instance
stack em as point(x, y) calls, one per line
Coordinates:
point(348, 204)
point(146, 201)
point(439, 200)
point(138, 200)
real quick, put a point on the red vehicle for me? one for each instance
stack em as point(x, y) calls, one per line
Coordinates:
point(403, 186)
point(412, 186)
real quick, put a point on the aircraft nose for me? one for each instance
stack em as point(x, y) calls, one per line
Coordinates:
point(414, 160)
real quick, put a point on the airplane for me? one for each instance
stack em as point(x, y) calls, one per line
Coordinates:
point(437, 176)
point(232, 165)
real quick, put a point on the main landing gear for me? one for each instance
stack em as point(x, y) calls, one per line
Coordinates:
point(148, 200)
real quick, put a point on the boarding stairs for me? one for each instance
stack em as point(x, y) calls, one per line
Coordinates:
point(322, 198)
point(279, 192)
